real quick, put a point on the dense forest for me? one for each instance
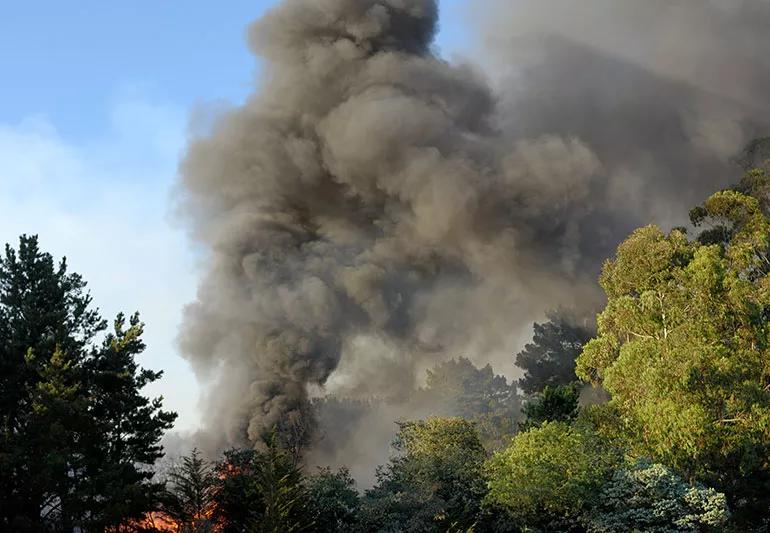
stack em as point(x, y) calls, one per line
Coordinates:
point(656, 419)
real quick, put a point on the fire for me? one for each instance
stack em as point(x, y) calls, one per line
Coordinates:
point(229, 470)
point(160, 522)
point(155, 522)
point(200, 522)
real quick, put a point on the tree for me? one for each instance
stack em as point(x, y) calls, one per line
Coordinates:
point(333, 502)
point(549, 476)
point(549, 360)
point(755, 155)
point(683, 348)
point(435, 482)
point(554, 404)
point(77, 436)
point(238, 504)
point(461, 389)
point(650, 497)
point(43, 317)
point(260, 491)
point(190, 494)
point(126, 428)
point(57, 406)
point(280, 482)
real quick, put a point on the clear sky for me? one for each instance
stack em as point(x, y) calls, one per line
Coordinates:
point(95, 98)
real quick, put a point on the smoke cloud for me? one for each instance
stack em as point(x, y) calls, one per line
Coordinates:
point(373, 208)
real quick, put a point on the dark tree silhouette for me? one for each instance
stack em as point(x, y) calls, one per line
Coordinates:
point(77, 438)
point(550, 358)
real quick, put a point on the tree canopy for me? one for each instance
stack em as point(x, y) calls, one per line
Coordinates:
point(554, 404)
point(78, 438)
point(190, 494)
point(682, 346)
point(550, 475)
point(458, 388)
point(680, 443)
point(651, 497)
point(549, 360)
point(433, 484)
point(332, 500)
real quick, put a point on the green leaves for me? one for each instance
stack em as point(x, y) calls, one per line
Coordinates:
point(650, 497)
point(458, 388)
point(682, 344)
point(77, 436)
point(550, 474)
point(190, 493)
point(333, 502)
point(259, 491)
point(435, 482)
point(554, 404)
point(549, 360)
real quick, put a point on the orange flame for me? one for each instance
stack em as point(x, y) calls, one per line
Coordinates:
point(155, 521)
point(161, 522)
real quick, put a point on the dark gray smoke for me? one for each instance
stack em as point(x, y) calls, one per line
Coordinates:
point(663, 92)
point(373, 208)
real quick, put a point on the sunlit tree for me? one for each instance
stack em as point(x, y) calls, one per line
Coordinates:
point(684, 351)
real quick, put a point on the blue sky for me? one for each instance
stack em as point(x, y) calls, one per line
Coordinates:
point(95, 98)
point(69, 60)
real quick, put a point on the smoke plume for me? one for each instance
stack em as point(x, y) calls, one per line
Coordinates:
point(373, 208)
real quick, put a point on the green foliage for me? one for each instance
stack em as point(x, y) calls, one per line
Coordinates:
point(756, 182)
point(333, 502)
point(651, 497)
point(433, 484)
point(190, 494)
point(125, 429)
point(260, 492)
point(280, 482)
point(549, 360)
point(461, 389)
point(237, 495)
point(550, 475)
point(554, 404)
point(77, 439)
point(683, 347)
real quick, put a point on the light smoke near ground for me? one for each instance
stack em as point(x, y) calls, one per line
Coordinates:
point(373, 209)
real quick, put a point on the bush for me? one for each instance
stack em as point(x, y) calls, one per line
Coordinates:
point(550, 475)
point(651, 497)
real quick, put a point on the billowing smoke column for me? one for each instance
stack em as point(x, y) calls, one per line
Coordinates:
point(373, 208)
point(665, 93)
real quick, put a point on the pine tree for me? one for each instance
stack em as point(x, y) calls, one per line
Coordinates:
point(191, 494)
point(550, 358)
point(554, 404)
point(260, 491)
point(76, 436)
